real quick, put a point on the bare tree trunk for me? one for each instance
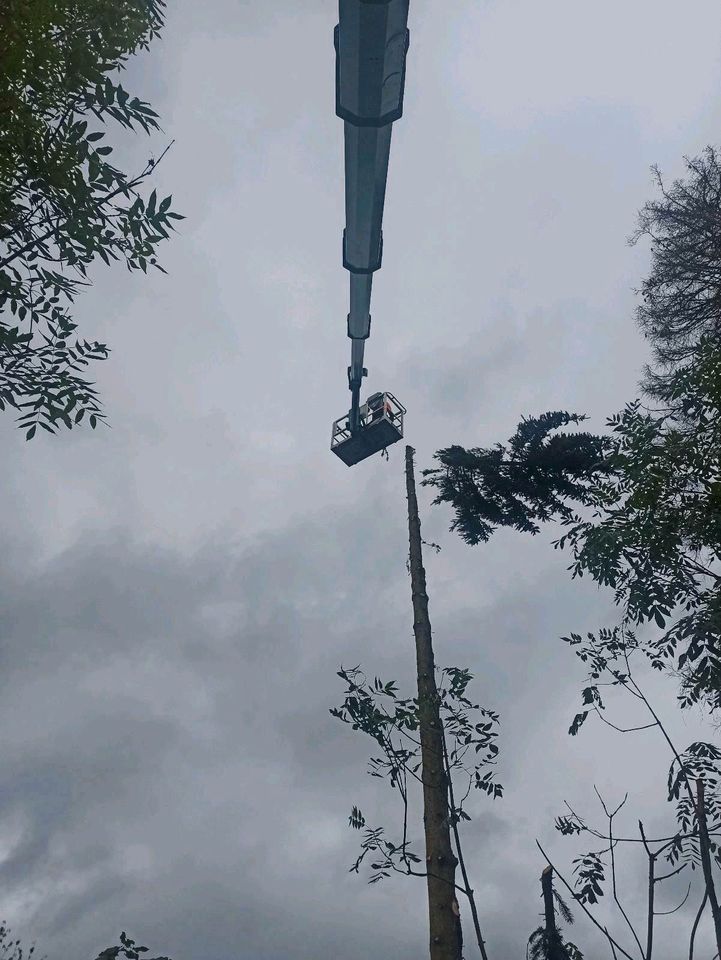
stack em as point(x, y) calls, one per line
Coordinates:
point(705, 847)
point(553, 940)
point(446, 942)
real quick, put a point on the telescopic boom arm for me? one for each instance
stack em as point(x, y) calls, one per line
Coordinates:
point(371, 42)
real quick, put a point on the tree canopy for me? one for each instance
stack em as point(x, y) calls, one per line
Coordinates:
point(640, 504)
point(62, 202)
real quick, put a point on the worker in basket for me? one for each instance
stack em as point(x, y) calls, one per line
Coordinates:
point(379, 406)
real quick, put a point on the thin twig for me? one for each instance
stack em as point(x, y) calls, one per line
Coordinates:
point(123, 188)
point(645, 726)
point(612, 845)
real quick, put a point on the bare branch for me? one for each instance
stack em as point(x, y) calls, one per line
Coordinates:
point(672, 873)
point(612, 846)
point(645, 726)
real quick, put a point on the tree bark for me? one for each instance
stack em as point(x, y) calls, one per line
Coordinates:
point(553, 940)
point(446, 942)
point(548, 909)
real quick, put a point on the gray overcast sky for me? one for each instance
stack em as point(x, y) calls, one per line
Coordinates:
point(179, 590)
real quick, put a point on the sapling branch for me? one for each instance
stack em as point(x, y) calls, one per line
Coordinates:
point(99, 204)
point(645, 726)
point(696, 923)
point(705, 847)
point(612, 845)
point(651, 893)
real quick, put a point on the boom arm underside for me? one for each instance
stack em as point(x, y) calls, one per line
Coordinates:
point(371, 42)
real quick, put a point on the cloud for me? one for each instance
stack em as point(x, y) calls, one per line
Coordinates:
point(179, 590)
point(518, 62)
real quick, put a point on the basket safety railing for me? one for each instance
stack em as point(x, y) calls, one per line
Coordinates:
point(388, 408)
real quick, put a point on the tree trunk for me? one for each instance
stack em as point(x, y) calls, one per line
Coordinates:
point(446, 941)
point(553, 940)
point(705, 847)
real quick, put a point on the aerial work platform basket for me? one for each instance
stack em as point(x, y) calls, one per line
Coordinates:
point(381, 424)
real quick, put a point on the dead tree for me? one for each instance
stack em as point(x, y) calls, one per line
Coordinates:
point(553, 940)
point(444, 914)
point(546, 942)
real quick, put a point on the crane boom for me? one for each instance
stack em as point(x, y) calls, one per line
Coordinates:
point(371, 42)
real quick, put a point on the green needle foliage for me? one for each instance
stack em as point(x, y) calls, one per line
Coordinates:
point(641, 503)
point(526, 482)
point(544, 946)
point(551, 945)
point(62, 202)
point(680, 297)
